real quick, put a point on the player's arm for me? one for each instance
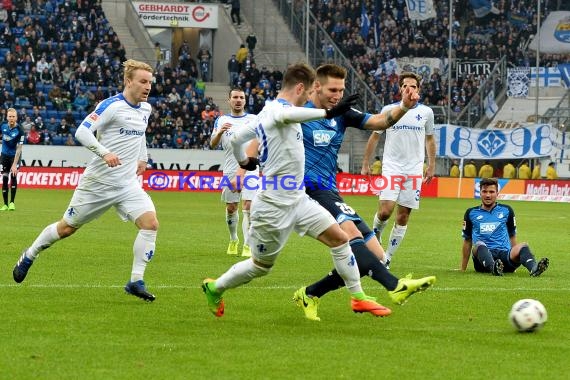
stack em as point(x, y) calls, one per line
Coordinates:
point(218, 132)
point(301, 114)
point(511, 226)
point(239, 138)
point(18, 155)
point(466, 232)
point(465, 253)
point(430, 149)
point(85, 136)
point(385, 120)
point(143, 157)
point(368, 152)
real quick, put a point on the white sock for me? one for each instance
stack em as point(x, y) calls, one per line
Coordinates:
point(396, 237)
point(44, 240)
point(379, 226)
point(143, 250)
point(345, 265)
point(245, 226)
point(232, 220)
point(239, 274)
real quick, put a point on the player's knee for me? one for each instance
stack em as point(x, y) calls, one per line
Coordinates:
point(231, 208)
point(64, 230)
point(147, 221)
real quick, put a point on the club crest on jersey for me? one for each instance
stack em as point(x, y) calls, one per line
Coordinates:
point(323, 137)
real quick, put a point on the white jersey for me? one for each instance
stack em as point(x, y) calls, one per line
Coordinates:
point(249, 121)
point(120, 128)
point(404, 149)
point(281, 155)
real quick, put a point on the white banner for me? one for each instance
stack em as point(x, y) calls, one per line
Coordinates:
point(420, 9)
point(181, 15)
point(554, 34)
point(530, 141)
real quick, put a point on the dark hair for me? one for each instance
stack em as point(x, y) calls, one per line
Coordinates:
point(489, 182)
point(299, 73)
point(330, 70)
point(409, 74)
point(235, 88)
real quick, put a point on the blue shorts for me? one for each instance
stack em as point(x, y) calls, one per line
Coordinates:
point(505, 256)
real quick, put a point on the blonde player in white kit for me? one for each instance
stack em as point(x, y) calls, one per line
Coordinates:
point(225, 127)
point(110, 179)
point(402, 165)
point(281, 205)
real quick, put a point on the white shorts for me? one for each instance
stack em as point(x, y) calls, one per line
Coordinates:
point(90, 200)
point(248, 190)
point(404, 190)
point(271, 225)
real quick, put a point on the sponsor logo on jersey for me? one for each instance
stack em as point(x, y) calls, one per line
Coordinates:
point(93, 116)
point(130, 132)
point(488, 228)
point(323, 137)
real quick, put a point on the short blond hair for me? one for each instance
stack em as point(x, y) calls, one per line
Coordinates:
point(131, 65)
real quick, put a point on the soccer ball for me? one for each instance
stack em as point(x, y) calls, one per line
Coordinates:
point(528, 315)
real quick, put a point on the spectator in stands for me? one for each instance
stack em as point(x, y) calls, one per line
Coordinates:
point(251, 41)
point(69, 118)
point(70, 141)
point(524, 171)
point(454, 169)
point(241, 56)
point(55, 95)
point(551, 171)
point(204, 56)
point(33, 136)
point(63, 129)
point(233, 70)
point(376, 167)
point(81, 102)
point(20, 93)
point(470, 170)
point(509, 170)
point(235, 12)
point(486, 170)
point(536, 171)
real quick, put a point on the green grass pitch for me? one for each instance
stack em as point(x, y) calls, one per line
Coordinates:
point(71, 319)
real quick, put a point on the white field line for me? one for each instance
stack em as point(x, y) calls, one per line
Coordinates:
point(279, 287)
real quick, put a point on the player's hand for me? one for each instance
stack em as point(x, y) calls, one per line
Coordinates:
point(225, 127)
point(343, 106)
point(429, 174)
point(365, 170)
point(410, 97)
point(251, 164)
point(14, 170)
point(111, 159)
point(234, 185)
point(141, 167)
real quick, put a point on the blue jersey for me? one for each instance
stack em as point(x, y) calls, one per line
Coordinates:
point(494, 227)
point(322, 140)
point(11, 137)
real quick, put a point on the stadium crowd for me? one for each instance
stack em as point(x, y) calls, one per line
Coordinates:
point(59, 58)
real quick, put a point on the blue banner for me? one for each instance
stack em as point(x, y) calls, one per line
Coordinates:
point(529, 141)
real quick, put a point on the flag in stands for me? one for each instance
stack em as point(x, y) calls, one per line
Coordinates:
point(517, 82)
point(420, 9)
point(483, 7)
point(565, 73)
point(364, 21)
point(554, 34)
point(547, 77)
